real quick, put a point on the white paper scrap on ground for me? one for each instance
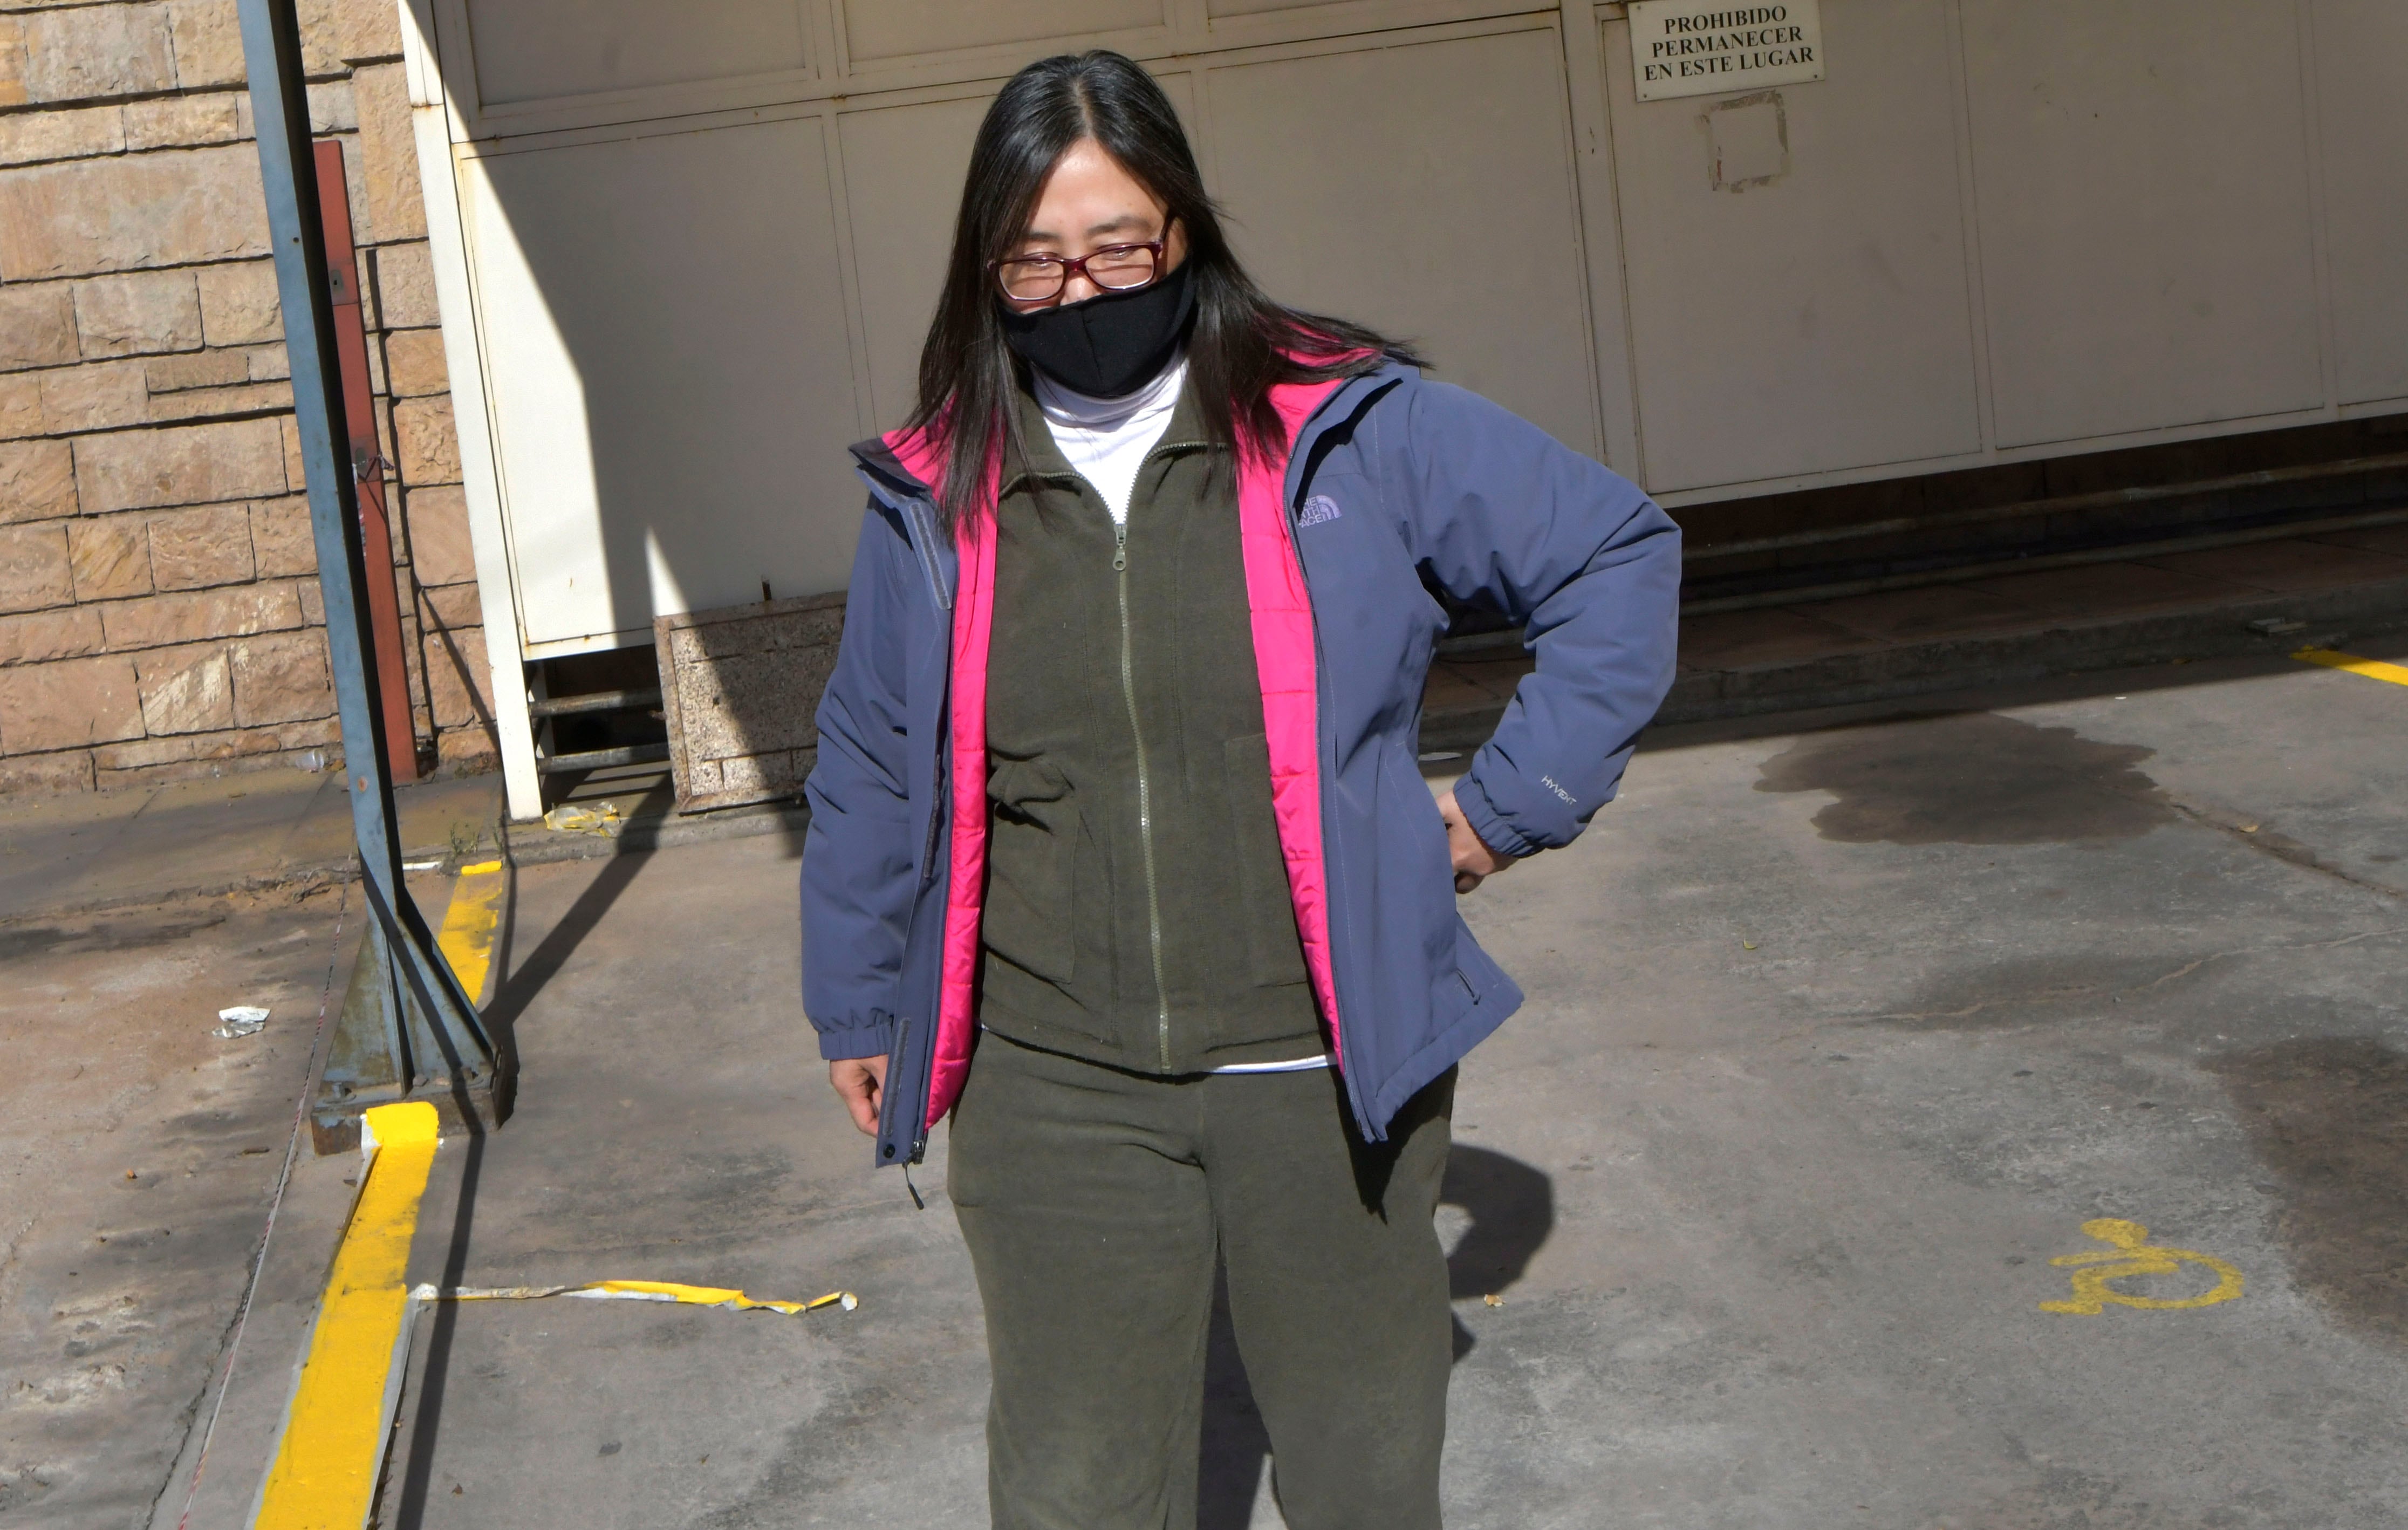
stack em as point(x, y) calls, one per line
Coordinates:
point(242, 1020)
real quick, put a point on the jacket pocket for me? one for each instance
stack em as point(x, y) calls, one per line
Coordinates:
point(1032, 869)
point(1416, 866)
point(1275, 953)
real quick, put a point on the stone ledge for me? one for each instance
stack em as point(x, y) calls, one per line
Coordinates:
point(532, 844)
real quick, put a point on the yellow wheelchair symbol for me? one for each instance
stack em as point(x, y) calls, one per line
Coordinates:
point(2129, 1253)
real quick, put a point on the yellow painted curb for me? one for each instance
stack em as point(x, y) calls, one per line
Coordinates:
point(470, 924)
point(2373, 670)
point(324, 1475)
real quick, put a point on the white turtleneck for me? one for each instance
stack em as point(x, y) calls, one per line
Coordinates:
point(1106, 439)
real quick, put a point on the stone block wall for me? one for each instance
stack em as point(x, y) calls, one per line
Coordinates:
point(159, 606)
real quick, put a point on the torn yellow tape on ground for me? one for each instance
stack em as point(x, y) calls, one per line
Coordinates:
point(326, 1463)
point(2373, 670)
point(638, 1291)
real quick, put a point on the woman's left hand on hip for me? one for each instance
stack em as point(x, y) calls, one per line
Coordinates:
point(1474, 862)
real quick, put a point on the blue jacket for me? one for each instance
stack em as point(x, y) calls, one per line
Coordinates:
point(1393, 485)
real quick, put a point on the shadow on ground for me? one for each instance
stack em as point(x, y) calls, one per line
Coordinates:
point(500, 1016)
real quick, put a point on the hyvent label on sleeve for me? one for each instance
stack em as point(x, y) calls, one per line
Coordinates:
point(1709, 47)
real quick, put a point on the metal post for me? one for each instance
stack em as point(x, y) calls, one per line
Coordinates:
point(367, 463)
point(408, 1029)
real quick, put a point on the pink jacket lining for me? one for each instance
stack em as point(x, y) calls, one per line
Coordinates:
point(1283, 660)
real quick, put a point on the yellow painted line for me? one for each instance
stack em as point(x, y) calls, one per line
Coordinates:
point(469, 925)
point(2373, 670)
point(324, 1475)
point(2129, 1253)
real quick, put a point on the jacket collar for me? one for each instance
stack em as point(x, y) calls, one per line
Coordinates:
point(909, 498)
point(876, 464)
point(1340, 407)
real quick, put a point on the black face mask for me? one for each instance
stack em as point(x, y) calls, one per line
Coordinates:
point(1110, 345)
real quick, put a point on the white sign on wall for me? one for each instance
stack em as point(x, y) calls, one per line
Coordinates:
point(1709, 47)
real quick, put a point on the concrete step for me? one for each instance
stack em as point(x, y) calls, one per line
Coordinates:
point(1947, 639)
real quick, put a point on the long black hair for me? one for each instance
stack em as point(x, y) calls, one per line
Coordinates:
point(1241, 342)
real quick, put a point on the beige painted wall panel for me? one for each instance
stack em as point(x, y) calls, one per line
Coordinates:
point(2142, 182)
point(530, 49)
point(1259, 7)
point(903, 169)
point(2362, 92)
point(894, 29)
point(1427, 190)
point(664, 330)
point(1800, 306)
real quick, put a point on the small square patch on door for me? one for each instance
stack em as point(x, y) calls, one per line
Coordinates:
point(1748, 138)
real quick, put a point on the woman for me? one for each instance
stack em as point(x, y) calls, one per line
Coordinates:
point(1119, 850)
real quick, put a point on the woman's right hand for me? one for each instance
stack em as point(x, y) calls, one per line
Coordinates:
point(860, 1082)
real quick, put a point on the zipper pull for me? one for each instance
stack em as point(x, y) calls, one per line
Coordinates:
point(1120, 547)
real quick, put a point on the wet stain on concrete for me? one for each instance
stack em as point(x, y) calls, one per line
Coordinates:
point(1968, 779)
point(27, 940)
point(2329, 1116)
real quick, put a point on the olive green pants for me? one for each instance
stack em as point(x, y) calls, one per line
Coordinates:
point(1095, 1201)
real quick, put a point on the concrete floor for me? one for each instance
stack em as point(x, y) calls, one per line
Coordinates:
point(137, 1153)
point(1840, 1029)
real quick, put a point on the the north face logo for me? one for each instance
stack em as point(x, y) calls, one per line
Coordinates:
point(1318, 509)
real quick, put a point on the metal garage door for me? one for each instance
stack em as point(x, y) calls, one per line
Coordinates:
point(703, 255)
point(700, 242)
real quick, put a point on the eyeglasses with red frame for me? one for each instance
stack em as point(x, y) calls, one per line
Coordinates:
point(1114, 268)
